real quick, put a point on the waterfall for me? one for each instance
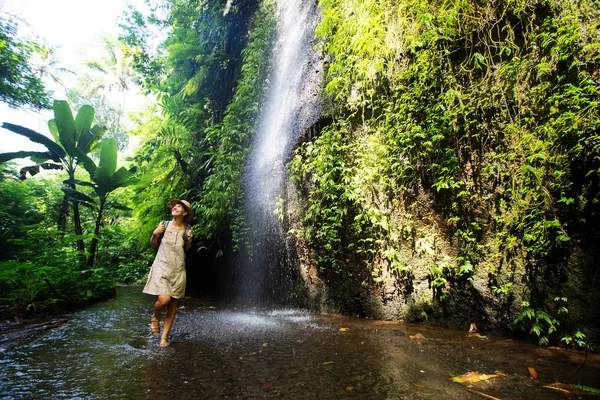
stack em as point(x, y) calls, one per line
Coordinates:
point(292, 105)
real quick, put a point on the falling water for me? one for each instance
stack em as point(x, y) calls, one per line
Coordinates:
point(292, 106)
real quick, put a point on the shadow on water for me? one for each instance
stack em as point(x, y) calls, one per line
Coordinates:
point(219, 352)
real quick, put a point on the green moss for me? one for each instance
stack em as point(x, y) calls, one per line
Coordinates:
point(467, 133)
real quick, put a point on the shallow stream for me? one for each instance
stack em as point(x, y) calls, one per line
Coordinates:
point(220, 352)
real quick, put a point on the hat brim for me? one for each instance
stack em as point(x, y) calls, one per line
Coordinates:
point(188, 208)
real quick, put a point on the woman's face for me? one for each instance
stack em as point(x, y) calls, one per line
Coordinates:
point(178, 210)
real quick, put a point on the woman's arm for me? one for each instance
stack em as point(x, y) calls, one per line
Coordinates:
point(188, 242)
point(155, 239)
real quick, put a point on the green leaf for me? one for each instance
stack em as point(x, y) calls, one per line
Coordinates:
point(78, 182)
point(108, 159)
point(78, 196)
point(83, 121)
point(36, 138)
point(90, 137)
point(588, 388)
point(4, 157)
point(65, 124)
point(83, 158)
point(53, 130)
point(120, 177)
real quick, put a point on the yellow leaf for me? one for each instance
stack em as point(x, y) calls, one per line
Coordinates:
point(252, 354)
point(417, 336)
point(349, 388)
point(557, 389)
point(328, 362)
point(477, 335)
point(343, 329)
point(265, 344)
point(532, 372)
point(419, 385)
point(474, 376)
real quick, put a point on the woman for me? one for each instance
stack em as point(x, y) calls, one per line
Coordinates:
point(167, 276)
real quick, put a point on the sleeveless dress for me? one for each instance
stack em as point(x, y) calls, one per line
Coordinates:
point(167, 276)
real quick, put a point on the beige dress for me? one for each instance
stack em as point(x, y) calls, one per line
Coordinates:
point(167, 276)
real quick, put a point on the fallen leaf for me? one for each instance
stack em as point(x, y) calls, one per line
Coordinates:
point(328, 363)
point(212, 307)
point(267, 386)
point(474, 376)
point(252, 354)
point(554, 347)
point(562, 386)
point(420, 386)
point(532, 372)
point(477, 335)
point(556, 388)
point(343, 329)
point(265, 344)
point(350, 388)
point(418, 336)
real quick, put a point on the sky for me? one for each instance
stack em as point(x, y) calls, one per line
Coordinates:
point(75, 26)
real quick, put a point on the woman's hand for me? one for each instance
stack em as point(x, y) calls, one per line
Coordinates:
point(188, 242)
point(159, 229)
point(154, 240)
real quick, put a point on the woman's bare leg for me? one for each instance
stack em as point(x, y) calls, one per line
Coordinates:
point(169, 318)
point(160, 304)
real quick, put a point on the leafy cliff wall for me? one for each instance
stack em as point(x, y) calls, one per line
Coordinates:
point(454, 175)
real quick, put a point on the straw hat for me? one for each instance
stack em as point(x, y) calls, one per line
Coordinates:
point(187, 206)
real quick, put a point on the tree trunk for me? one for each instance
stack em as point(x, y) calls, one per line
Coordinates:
point(79, 232)
point(62, 215)
point(77, 222)
point(94, 245)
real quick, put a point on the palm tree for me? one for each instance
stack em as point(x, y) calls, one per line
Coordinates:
point(45, 64)
point(116, 72)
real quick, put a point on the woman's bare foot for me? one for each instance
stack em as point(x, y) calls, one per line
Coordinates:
point(154, 326)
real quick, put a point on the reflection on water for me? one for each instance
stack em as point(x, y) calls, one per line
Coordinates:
point(105, 351)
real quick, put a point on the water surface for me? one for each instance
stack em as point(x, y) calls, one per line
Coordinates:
point(219, 352)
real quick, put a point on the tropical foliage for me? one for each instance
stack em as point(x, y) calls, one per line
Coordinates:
point(19, 84)
point(464, 149)
point(210, 91)
point(454, 173)
point(74, 138)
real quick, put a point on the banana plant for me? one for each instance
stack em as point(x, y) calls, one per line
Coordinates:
point(105, 178)
point(73, 138)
